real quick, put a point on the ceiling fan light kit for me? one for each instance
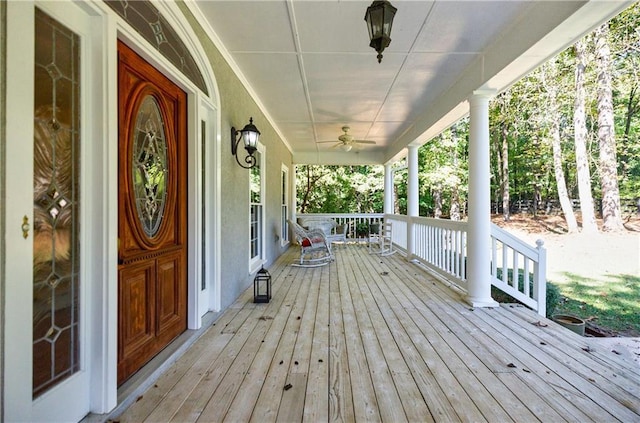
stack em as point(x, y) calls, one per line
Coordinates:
point(379, 17)
point(346, 140)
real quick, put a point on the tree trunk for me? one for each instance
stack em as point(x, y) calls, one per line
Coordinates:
point(504, 183)
point(611, 215)
point(312, 179)
point(305, 196)
point(554, 115)
point(563, 195)
point(580, 140)
point(437, 201)
point(496, 176)
point(396, 205)
point(454, 212)
point(632, 109)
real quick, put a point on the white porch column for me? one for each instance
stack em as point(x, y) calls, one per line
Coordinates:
point(412, 197)
point(388, 189)
point(479, 235)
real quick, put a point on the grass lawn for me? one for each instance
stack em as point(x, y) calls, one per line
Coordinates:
point(598, 275)
point(611, 302)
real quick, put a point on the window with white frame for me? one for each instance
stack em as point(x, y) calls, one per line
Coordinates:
point(284, 225)
point(256, 189)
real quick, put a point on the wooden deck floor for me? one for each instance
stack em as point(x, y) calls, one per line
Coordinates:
point(377, 339)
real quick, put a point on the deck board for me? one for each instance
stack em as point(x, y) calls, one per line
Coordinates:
point(365, 402)
point(383, 320)
point(370, 338)
point(316, 402)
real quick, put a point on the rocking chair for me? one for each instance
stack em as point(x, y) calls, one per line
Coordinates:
point(315, 250)
point(380, 239)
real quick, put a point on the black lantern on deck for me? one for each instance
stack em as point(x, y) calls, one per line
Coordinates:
point(379, 19)
point(262, 287)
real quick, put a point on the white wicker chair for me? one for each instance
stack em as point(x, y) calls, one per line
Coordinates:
point(333, 231)
point(315, 250)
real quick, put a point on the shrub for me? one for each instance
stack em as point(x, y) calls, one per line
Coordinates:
point(552, 297)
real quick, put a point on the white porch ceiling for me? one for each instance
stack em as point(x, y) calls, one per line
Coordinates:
point(309, 64)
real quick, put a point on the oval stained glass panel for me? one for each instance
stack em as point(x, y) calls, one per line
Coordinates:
point(149, 166)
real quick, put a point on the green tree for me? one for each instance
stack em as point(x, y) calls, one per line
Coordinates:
point(443, 172)
point(339, 189)
point(625, 45)
point(549, 77)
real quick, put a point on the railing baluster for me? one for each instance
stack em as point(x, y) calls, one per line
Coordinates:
point(505, 276)
point(464, 256)
point(540, 278)
point(527, 291)
point(439, 248)
point(494, 257)
point(515, 274)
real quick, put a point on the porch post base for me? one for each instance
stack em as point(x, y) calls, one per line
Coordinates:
point(481, 302)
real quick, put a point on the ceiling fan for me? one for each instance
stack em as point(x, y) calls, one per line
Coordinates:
point(346, 140)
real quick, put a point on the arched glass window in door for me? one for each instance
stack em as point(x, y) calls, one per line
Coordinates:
point(149, 166)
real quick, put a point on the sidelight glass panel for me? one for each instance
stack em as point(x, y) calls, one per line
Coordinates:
point(149, 166)
point(56, 207)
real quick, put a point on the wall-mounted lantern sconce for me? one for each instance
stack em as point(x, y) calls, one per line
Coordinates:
point(249, 136)
point(379, 19)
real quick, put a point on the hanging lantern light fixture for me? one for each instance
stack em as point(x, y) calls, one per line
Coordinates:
point(379, 19)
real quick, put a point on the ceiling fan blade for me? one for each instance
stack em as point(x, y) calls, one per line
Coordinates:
point(364, 142)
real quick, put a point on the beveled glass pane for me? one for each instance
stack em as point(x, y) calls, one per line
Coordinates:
point(149, 166)
point(56, 249)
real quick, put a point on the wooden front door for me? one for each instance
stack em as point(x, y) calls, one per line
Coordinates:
point(152, 198)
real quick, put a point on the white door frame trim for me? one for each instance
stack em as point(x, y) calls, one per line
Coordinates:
point(100, 187)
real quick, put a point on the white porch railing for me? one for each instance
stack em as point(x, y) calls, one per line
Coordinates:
point(441, 245)
point(519, 269)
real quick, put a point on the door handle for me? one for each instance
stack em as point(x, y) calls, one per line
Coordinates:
point(25, 227)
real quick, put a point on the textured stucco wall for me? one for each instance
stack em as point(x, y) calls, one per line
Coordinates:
point(236, 106)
